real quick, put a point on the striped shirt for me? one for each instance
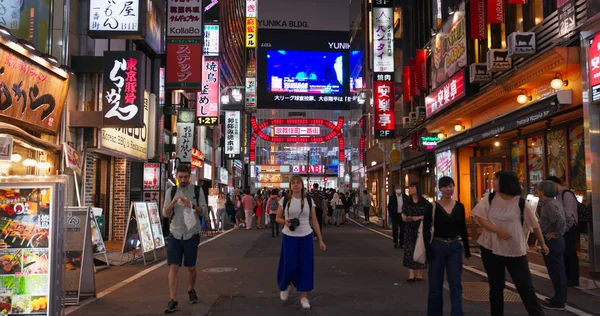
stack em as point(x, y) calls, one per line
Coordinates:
point(552, 217)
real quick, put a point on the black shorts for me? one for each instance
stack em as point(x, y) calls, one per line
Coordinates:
point(186, 250)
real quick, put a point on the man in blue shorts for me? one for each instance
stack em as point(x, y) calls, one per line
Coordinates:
point(184, 207)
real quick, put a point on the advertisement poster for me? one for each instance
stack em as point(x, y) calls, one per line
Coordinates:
point(449, 48)
point(144, 229)
point(25, 255)
point(97, 241)
point(76, 228)
point(151, 176)
point(566, 16)
point(154, 212)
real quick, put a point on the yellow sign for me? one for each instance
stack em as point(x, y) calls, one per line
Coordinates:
point(251, 27)
point(130, 141)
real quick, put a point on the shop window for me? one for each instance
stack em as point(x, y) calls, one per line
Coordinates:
point(29, 20)
point(535, 162)
point(577, 160)
point(518, 163)
point(557, 154)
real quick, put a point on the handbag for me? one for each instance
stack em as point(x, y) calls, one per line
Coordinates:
point(420, 254)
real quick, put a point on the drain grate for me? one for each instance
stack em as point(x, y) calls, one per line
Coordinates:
point(479, 292)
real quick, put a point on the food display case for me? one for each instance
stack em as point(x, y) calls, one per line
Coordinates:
point(30, 251)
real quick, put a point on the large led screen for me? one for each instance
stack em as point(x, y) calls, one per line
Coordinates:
point(356, 79)
point(290, 71)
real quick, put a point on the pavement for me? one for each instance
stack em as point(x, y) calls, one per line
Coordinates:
point(359, 274)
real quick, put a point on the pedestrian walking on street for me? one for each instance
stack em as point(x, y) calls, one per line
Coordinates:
point(221, 213)
point(568, 199)
point(396, 201)
point(365, 201)
point(239, 212)
point(184, 208)
point(259, 211)
point(273, 205)
point(320, 200)
point(412, 214)
point(503, 215)
point(554, 226)
point(444, 252)
point(230, 208)
point(249, 204)
point(296, 262)
point(337, 205)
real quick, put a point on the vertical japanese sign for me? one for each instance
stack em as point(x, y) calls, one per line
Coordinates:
point(595, 67)
point(385, 124)
point(211, 40)
point(251, 27)
point(207, 109)
point(185, 140)
point(406, 84)
point(184, 57)
point(478, 29)
point(184, 18)
point(421, 69)
point(566, 16)
point(250, 91)
point(11, 17)
point(233, 125)
point(114, 15)
point(151, 176)
point(495, 11)
point(122, 96)
point(383, 36)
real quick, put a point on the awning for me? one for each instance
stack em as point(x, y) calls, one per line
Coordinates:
point(536, 111)
point(418, 161)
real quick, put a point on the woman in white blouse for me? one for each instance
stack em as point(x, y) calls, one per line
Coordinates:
point(503, 215)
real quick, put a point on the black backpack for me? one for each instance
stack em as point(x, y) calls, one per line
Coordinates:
point(317, 197)
point(521, 206)
point(583, 213)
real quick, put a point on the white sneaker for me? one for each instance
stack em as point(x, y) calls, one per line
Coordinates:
point(283, 295)
point(305, 303)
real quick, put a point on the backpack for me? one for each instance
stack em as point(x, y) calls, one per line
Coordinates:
point(521, 206)
point(318, 198)
point(583, 213)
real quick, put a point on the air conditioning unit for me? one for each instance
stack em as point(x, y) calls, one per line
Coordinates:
point(405, 121)
point(421, 112)
point(412, 118)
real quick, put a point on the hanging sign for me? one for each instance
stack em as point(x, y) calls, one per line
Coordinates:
point(211, 40)
point(207, 109)
point(72, 157)
point(251, 27)
point(414, 92)
point(495, 11)
point(384, 109)
point(233, 126)
point(429, 142)
point(130, 141)
point(566, 16)
point(184, 18)
point(498, 60)
point(595, 67)
point(183, 59)
point(478, 73)
point(406, 84)
point(446, 94)
point(185, 140)
point(122, 96)
point(478, 29)
point(421, 70)
point(521, 44)
point(197, 158)
point(251, 8)
point(383, 36)
point(115, 16)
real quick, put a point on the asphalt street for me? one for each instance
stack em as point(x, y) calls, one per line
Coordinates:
point(359, 274)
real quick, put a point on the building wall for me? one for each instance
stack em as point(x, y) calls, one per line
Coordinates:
point(90, 175)
point(120, 196)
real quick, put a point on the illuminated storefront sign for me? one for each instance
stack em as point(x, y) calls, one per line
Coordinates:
point(211, 40)
point(297, 130)
point(267, 168)
point(429, 142)
point(449, 52)
point(114, 15)
point(184, 18)
point(183, 58)
point(122, 89)
point(197, 158)
point(251, 27)
point(595, 67)
point(151, 176)
point(383, 36)
point(129, 141)
point(384, 109)
point(233, 126)
point(207, 109)
point(251, 8)
point(446, 94)
point(309, 169)
point(185, 139)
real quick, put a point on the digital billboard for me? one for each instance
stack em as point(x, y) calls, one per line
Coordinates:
point(356, 79)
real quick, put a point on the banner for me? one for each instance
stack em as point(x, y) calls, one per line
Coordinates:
point(233, 126)
point(385, 122)
point(183, 59)
point(495, 11)
point(73, 160)
point(406, 84)
point(414, 92)
point(207, 109)
point(421, 69)
point(184, 19)
point(478, 25)
point(185, 140)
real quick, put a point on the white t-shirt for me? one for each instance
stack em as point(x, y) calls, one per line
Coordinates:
point(304, 228)
point(506, 215)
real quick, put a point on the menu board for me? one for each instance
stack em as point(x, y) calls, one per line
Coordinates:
point(159, 239)
point(75, 221)
point(25, 224)
point(144, 229)
point(97, 241)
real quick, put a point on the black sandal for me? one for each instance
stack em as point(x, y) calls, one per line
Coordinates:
point(411, 280)
point(419, 279)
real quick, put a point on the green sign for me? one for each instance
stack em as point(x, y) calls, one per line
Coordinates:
point(429, 142)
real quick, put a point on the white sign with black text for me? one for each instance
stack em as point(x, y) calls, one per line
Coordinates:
point(251, 8)
point(185, 141)
point(114, 15)
point(184, 18)
point(233, 127)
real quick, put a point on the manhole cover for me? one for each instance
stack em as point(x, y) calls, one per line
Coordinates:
point(480, 292)
point(219, 270)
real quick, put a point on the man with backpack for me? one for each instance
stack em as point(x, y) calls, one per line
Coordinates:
point(184, 204)
point(575, 213)
point(320, 200)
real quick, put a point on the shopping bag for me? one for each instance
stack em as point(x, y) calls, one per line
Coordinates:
point(420, 254)
point(267, 219)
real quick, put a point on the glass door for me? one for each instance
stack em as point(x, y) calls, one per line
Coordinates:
point(483, 170)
